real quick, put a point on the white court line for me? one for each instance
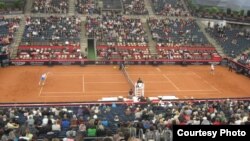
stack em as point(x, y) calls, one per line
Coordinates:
point(156, 82)
point(61, 92)
point(105, 82)
point(85, 92)
point(92, 73)
point(179, 74)
point(40, 91)
point(158, 69)
point(83, 84)
point(184, 91)
point(84, 73)
point(125, 82)
point(62, 96)
point(178, 89)
point(207, 82)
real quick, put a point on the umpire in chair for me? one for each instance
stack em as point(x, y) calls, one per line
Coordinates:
point(139, 83)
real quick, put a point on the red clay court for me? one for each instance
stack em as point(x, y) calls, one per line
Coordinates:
point(91, 83)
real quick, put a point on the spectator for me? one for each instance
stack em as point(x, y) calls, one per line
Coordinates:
point(50, 6)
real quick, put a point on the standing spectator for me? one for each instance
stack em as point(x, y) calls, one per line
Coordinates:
point(131, 93)
point(230, 67)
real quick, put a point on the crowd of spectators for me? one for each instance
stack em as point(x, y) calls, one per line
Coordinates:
point(124, 54)
point(8, 26)
point(11, 7)
point(116, 30)
point(49, 53)
point(55, 31)
point(117, 121)
point(178, 31)
point(180, 54)
point(245, 60)
point(86, 6)
point(136, 7)
point(233, 41)
point(169, 8)
point(50, 6)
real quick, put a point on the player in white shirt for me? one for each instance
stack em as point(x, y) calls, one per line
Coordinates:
point(212, 69)
point(43, 78)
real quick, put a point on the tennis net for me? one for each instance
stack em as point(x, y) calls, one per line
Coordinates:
point(125, 73)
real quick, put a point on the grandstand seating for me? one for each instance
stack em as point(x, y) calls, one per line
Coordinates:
point(8, 26)
point(232, 40)
point(116, 30)
point(169, 8)
point(134, 7)
point(178, 31)
point(52, 31)
point(112, 5)
point(127, 53)
point(112, 118)
point(187, 53)
point(49, 52)
point(51, 6)
point(86, 6)
point(51, 38)
point(244, 60)
point(11, 7)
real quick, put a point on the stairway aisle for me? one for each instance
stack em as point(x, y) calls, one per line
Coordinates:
point(148, 5)
point(28, 7)
point(18, 38)
point(71, 7)
point(151, 42)
point(83, 39)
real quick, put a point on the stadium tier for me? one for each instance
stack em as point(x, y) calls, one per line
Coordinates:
point(8, 27)
point(233, 41)
point(176, 31)
point(50, 6)
point(136, 7)
point(169, 8)
point(86, 6)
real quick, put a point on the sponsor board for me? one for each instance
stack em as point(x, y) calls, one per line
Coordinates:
point(18, 63)
point(36, 63)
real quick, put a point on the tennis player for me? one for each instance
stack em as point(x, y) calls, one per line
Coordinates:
point(212, 69)
point(43, 78)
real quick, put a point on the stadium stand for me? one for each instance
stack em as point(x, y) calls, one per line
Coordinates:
point(244, 60)
point(169, 8)
point(124, 53)
point(49, 52)
point(8, 26)
point(188, 53)
point(11, 7)
point(112, 5)
point(86, 6)
point(177, 31)
point(233, 40)
point(50, 6)
point(116, 120)
point(52, 30)
point(116, 30)
point(51, 38)
point(136, 7)
point(118, 37)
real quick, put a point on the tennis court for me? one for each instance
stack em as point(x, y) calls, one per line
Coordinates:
point(90, 83)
